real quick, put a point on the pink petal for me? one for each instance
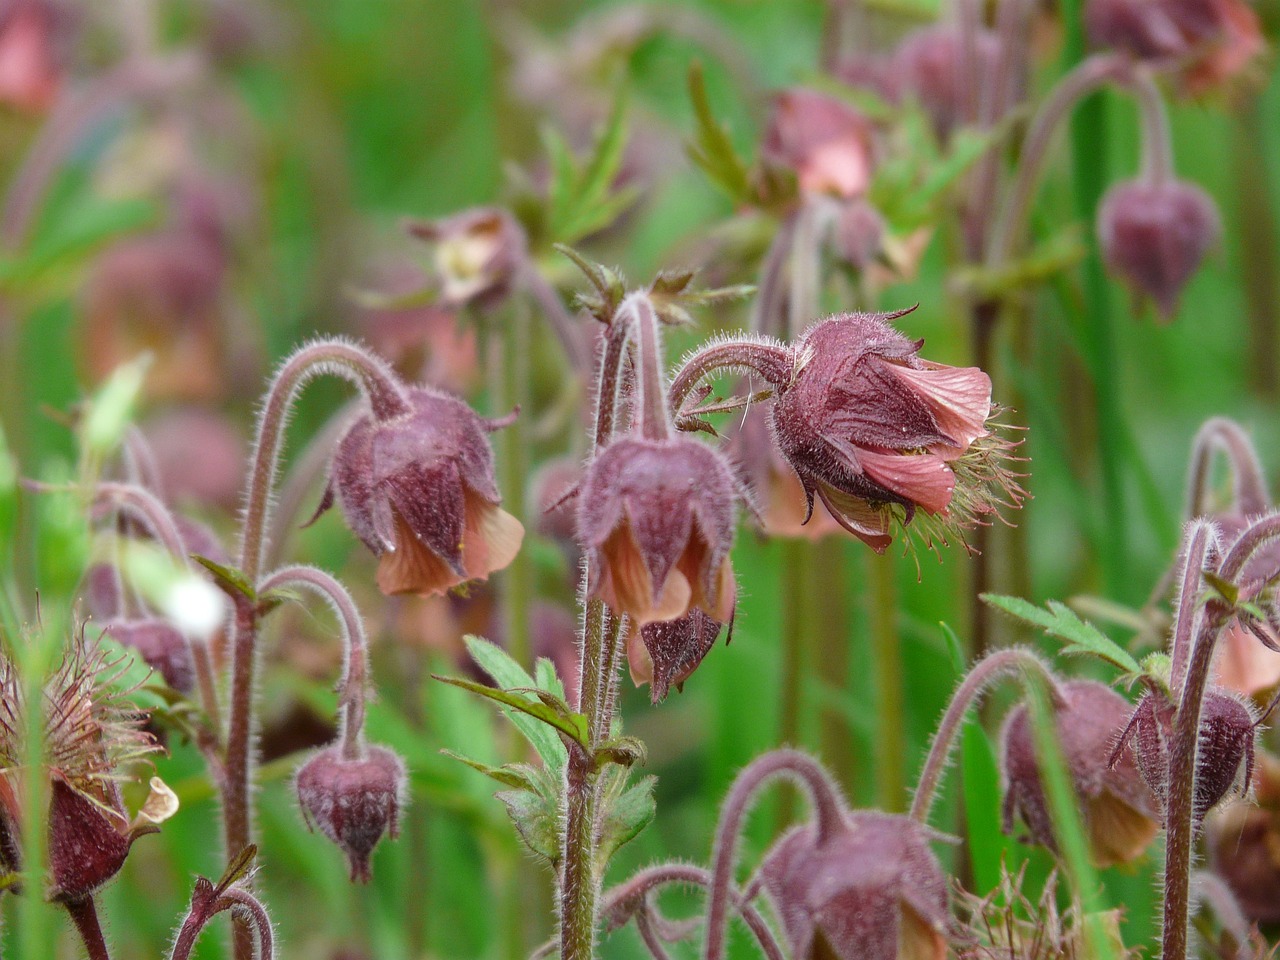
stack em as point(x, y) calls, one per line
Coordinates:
point(922, 478)
point(958, 397)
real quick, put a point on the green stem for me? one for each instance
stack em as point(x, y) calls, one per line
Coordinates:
point(891, 734)
point(518, 583)
point(792, 663)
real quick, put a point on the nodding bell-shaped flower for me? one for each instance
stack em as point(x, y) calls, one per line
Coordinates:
point(871, 891)
point(1120, 814)
point(353, 800)
point(878, 434)
point(1155, 236)
point(931, 68)
point(665, 654)
point(826, 143)
point(419, 490)
point(656, 519)
point(1224, 760)
point(478, 254)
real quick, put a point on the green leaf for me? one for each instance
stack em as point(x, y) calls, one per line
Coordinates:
point(111, 410)
point(509, 775)
point(581, 199)
point(980, 782)
point(1061, 622)
point(546, 678)
point(232, 581)
point(626, 814)
point(239, 867)
point(711, 148)
point(624, 751)
point(572, 726)
point(536, 817)
point(954, 647)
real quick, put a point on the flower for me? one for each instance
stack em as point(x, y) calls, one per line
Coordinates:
point(478, 254)
point(655, 518)
point(1243, 844)
point(1155, 235)
point(930, 65)
point(775, 489)
point(879, 434)
point(826, 143)
point(419, 491)
point(31, 71)
point(1120, 814)
point(353, 800)
point(872, 890)
point(162, 646)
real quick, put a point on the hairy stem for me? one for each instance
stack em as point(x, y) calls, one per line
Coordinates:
point(828, 815)
point(773, 361)
point(651, 399)
point(1249, 485)
point(84, 915)
point(995, 666)
point(1200, 540)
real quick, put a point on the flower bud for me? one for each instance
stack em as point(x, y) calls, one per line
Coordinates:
point(1120, 815)
point(353, 802)
point(826, 143)
point(161, 646)
point(477, 254)
point(419, 491)
point(873, 891)
point(931, 67)
point(877, 433)
point(1154, 236)
point(859, 234)
point(656, 520)
point(1227, 734)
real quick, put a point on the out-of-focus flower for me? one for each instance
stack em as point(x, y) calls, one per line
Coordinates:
point(353, 800)
point(656, 520)
point(871, 891)
point(1120, 814)
point(1244, 845)
point(31, 68)
point(858, 235)
point(419, 491)
point(826, 143)
point(1155, 235)
point(554, 493)
point(161, 645)
point(478, 254)
point(200, 457)
point(931, 67)
point(775, 488)
point(880, 435)
point(1210, 41)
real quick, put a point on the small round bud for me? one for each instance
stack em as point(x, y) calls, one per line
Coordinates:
point(826, 143)
point(656, 520)
point(872, 891)
point(419, 490)
point(161, 646)
point(1155, 236)
point(1119, 812)
point(353, 802)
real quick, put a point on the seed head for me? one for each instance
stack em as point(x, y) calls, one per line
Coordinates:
point(1154, 236)
point(419, 491)
point(1120, 814)
point(353, 802)
point(872, 891)
point(656, 520)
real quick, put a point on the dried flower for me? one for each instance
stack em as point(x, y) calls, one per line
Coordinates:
point(931, 67)
point(879, 434)
point(870, 891)
point(656, 520)
point(419, 491)
point(1119, 811)
point(1155, 235)
point(478, 254)
point(826, 143)
point(353, 801)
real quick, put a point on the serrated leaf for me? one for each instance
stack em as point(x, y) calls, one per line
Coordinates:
point(232, 581)
point(536, 817)
point(509, 775)
point(711, 148)
point(626, 814)
point(573, 726)
point(1061, 622)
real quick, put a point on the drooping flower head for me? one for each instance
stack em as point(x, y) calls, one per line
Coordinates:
point(656, 519)
point(419, 490)
point(826, 143)
point(870, 891)
point(932, 67)
point(880, 435)
point(1120, 814)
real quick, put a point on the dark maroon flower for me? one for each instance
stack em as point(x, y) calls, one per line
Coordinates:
point(161, 646)
point(931, 68)
point(478, 254)
point(878, 434)
point(1119, 811)
point(419, 491)
point(1227, 735)
point(826, 143)
point(353, 802)
point(1155, 236)
point(656, 520)
point(88, 840)
point(872, 891)
point(665, 654)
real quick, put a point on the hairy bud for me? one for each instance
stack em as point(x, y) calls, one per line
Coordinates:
point(1119, 811)
point(1155, 236)
point(419, 490)
point(353, 802)
point(656, 520)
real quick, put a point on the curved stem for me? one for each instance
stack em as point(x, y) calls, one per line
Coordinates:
point(767, 315)
point(567, 328)
point(1157, 141)
point(151, 511)
point(651, 399)
point(355, 673)
point(1254, 538)
point(1088, 76)
point(828, 815)
point(207, 903)
point(1002, 663)
point(84, 915)
point(242, 901)
point(1199, 540)
point(1249, 483)
point(772, 360)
